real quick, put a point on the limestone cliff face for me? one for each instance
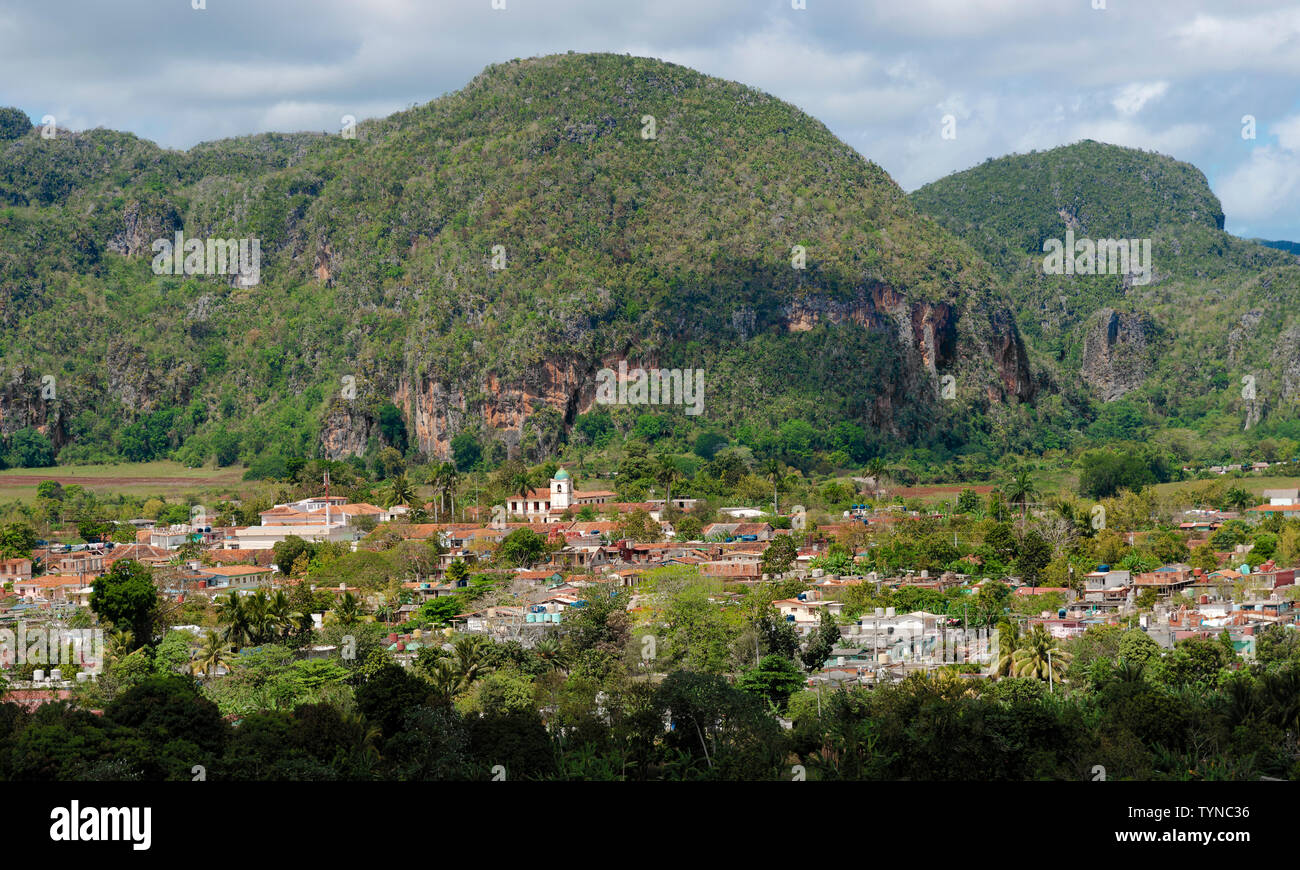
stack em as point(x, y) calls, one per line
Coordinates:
point(24, 404)
point(439, 411)
point(345, 431)
point(1117, 350)
point(979, 346)
point(938, 338)
point(142, 224)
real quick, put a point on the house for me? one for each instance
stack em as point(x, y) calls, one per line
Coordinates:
point(172, 537)
point(805, 613)
point(56, 587)
point(225, 578)
point(1282, 496)
point(1104, 591)
point(1166, 580)
point(681, 504)
point(740, 531)
point(15, 570)
point(549, 505)
point(740, 564)
point(145, 553)
point(741, 513)
point(895, 636)
point(266, 537)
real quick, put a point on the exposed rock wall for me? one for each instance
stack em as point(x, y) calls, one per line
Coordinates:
point(1117, 349)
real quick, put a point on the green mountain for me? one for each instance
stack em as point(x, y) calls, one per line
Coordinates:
point(1210, 341)
point(379, 264)
point(1289, 247)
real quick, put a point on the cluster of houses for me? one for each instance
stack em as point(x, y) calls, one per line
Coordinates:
point(587, 558)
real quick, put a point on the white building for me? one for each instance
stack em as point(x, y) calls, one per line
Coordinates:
point(548, 505)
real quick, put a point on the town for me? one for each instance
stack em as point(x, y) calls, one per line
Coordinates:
point(1009, 591)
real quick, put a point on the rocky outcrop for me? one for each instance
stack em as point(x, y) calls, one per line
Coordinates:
point(29, 399)
point(561, 388)
point(345, 431)
point(1286, 364)
point(143, 223)
point(1117, 351)
point(439, 411)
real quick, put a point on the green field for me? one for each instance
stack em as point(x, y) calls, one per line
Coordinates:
point(162, 478)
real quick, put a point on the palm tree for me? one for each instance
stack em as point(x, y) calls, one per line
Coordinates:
point(450, 478)
point(1008, 641)
point(444, 677)
point(348, 610)
point(212, 655)
point(232, 615)
point(1237, 498)
point(257, 613)
point(283, 618)
point(438, 480)
point(399, 491)
point(1021, 490)
point(772, 471)
point(520, 486)
point(549, 650)
point(121, 643)
point(666, 471)
point(467, 661)
point(875, 469)
point(1129, 671)
point(1040, 657)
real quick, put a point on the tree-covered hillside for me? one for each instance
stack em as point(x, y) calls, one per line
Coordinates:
point(1209, 344)
point(641, 211)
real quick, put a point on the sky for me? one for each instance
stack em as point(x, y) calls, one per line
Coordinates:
point(1175, 76)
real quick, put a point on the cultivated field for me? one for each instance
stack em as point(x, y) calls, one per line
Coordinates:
point(164, 479)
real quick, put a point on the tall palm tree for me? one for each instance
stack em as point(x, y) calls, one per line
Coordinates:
point(1021, 490)
point(257, 612)
point(666, 472)
point(399, 491)
point(1040, 657)
point(1237, 498)
point(233, 617)
point(450, 478)
point(772, 471)
point(283, 618)
point(121, 643)
point(875, 469)
point(212, 655)
point(440, 483)
point(1008, 642)
point(520, 486)
point(442, 673)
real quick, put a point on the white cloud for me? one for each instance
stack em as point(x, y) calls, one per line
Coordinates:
point(1263, 189)
point(1267, 185)
point(1168, 75)
point(1132, 98)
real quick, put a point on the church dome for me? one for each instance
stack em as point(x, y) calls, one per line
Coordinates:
point(561, 475)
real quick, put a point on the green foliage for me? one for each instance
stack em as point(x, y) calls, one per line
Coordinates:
point(521, 548)
point(14, 123)
point(774, 679)
point(125, 596)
